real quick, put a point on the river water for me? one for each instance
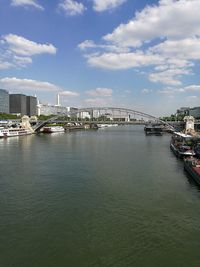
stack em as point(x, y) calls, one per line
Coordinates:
point(112, 197)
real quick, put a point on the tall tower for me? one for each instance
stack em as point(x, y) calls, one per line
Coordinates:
point(58, 100)
point(38, 106)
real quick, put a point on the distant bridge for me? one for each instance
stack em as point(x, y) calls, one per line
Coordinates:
point(103, 112)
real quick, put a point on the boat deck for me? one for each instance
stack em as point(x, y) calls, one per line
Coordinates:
point(197, 169)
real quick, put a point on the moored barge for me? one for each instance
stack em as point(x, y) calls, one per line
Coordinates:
point(153, 129)
point(192, 166)
point(53, 129)
point(182, 145)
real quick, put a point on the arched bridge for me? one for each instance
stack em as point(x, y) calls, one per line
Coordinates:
point(102, 112)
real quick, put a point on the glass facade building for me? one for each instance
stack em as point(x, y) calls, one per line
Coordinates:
point(18, 104)
point(31, 105)
point(4, 101)
point(23, 105)
point(195, 112)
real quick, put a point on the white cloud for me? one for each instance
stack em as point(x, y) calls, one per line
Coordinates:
point(97, 102)
point(119, 61)
point(14, 83)
point(101, 97)
point(68, 93)
point(89, 44)
point(102, 5)
point(5, 65)
point(168, 69)
point(26, 3)
point(169, 76)
point(192, 98)
point(22, 61)
point(22, 46)
point(146, 91)
point(16, 51)
point(192, 88)
point(100, 92)
point(174, 27)
point(184, 49)
point(170, 19)
point(186, 89)
point(71, 7)
point(167, 91)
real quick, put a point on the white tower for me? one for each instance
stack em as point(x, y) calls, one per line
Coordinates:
point(38, 106)
point(58, 100)
point(189, 127)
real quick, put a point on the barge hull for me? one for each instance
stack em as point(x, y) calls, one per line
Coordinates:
point(193, 172)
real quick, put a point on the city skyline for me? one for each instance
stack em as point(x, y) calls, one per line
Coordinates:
point(142, 55)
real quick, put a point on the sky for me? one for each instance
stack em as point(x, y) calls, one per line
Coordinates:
point(142, 55)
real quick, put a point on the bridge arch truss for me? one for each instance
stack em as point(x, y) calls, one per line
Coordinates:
point(113, 112)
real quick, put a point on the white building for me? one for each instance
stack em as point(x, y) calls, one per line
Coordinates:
point(84, 115)
point(47, 109)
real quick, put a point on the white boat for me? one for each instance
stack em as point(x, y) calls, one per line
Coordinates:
point(106, 125)
point(10, 132)
point(112, 125)
point(182, 144)
point(53, 129)
point(100, 125)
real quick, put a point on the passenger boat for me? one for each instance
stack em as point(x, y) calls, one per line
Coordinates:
point(182, 144)
point(153, 129)
point(11, 132)
point(107, 125)
point(53, 129)
point(192, 166)
point(100, 125)
point(113, 125)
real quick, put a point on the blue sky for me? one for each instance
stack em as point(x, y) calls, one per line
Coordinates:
point(143, 55)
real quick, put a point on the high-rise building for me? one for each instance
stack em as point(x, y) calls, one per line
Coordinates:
point(18, 104)
point(23, 105)
point(4, 101)
point(183, 111)
point(31, 105)
point(195, 112)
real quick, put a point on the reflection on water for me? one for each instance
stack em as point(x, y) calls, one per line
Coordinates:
point(192, 184)
point(96, 198)
point(16, 140)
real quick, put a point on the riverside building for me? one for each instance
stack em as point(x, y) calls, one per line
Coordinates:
point(18, 104)
point(31, 105)
point(4, 101)
point(183, 111)
point(195, 112)
point(47, 109)
point(23, 105)
point(187, 111)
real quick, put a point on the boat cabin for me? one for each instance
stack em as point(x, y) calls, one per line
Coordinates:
point(156, 129)
point(182, 139)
